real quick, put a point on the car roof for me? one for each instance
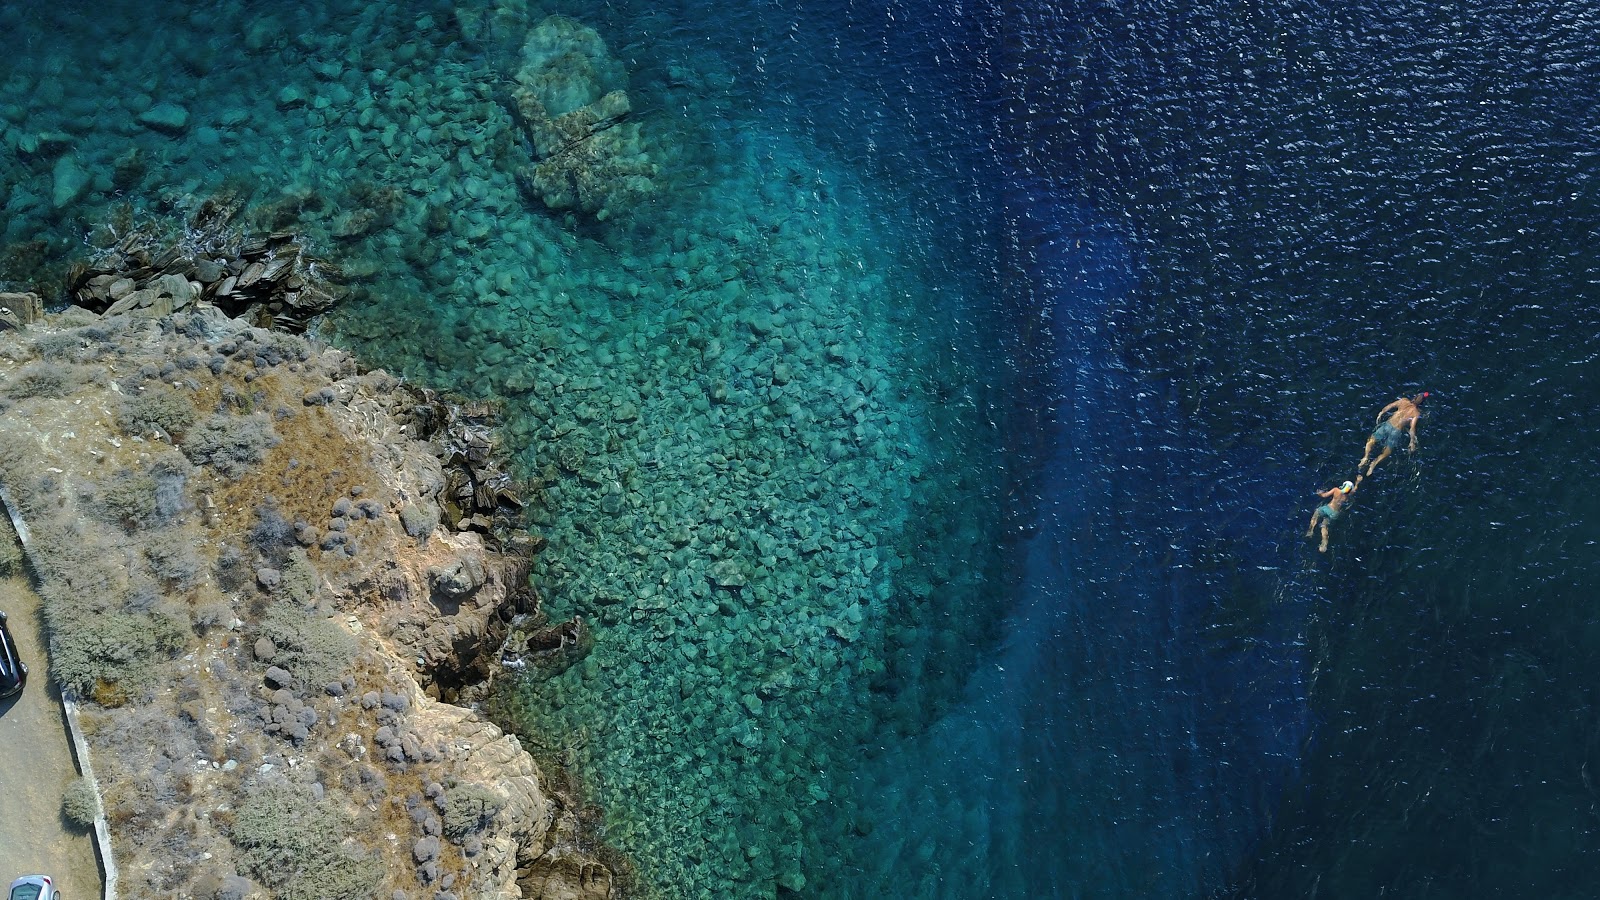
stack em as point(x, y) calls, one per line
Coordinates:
point(8, 653)
point(38, 882)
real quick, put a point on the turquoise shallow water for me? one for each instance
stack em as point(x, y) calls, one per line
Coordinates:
point(762, 427)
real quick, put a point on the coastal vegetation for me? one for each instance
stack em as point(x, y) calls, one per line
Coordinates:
point(250, 630)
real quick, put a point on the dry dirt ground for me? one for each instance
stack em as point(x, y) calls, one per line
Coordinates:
point(36, 766)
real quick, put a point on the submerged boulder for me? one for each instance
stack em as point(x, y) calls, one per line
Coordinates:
point(70, 182)
point(571, 102)
point(168, 118)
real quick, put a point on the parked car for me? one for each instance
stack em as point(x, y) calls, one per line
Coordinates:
point(34, 887)
point(13, 674)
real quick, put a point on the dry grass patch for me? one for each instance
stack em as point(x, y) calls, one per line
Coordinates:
point(313, 465)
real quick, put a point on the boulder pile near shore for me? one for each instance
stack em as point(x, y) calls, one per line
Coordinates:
point(268, 280)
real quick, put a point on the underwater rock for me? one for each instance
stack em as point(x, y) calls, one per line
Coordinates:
point(571, 102)
point(728, 574)
point(168, 118)
point(569, 65)
point(354, 224)
point(70, 182)
point(291, 97)
point(44, 144)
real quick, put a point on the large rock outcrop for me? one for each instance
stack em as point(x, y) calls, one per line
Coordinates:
point(571, 101)
point(251, 580)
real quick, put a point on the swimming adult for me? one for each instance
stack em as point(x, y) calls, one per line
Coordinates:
point(1403, 415)
point(1329, 512)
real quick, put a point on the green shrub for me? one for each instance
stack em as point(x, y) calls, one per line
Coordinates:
point(300, 579)
point(293, 844)
point(118, 648)
point(172, 558)
point(468, 809)
point(171, 474)
point(70, 557)
point(230, 444)
point(209, 615)
point(19, 455)
point(272, 535)
point(163, 410)
point(46, 380)
point(129, 499)
point(314, 649)
point(59, 345)
point(79, 804)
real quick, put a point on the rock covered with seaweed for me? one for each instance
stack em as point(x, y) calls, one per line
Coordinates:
point(572, 103)
point(251, 582)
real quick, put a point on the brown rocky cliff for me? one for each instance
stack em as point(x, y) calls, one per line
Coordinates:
point(259, 520)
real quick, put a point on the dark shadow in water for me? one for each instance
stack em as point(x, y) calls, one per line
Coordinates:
point(1165, 709)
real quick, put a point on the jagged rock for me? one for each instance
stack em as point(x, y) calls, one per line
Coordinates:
point(419, 520)
point(99, 286)
point(266, 279)
point(137, 300)
point(568, 876)
point(17, 310)
point(208, 270)
point(458, 579)
point(179, 290)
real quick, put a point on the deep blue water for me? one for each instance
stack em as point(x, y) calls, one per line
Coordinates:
point(1325, 206)
point(1234, 232)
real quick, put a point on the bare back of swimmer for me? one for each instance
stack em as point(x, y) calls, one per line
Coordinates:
point(1400, 430)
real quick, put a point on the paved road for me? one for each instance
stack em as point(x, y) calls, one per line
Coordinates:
point(36, 765)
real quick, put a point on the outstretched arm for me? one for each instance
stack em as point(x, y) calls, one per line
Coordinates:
point(1386, 410)
point(1413, 426)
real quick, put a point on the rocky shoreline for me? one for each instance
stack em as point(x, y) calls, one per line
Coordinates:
point(270, 576)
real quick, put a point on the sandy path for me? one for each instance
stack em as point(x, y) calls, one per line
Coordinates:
point(36, 765)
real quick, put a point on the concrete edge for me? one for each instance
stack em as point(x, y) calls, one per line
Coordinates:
point(102, 829)
point(80, 747)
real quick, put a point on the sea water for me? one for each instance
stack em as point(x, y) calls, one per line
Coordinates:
point(1327, 207)
point(929, 443)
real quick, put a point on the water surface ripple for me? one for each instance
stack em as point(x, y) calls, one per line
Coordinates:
point(1328, 205)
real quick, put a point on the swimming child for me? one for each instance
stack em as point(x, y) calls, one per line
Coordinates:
point(1337, 497)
